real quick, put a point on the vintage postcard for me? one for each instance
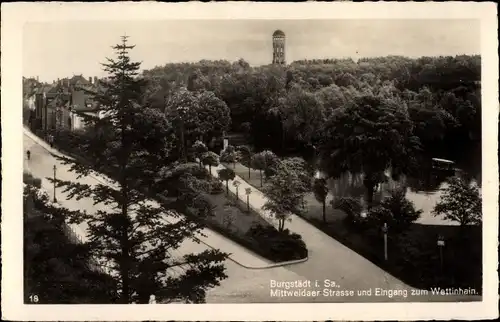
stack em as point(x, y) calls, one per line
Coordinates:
point(249, 161)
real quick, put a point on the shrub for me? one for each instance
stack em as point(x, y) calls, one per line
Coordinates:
point(279, 246)
point(29, 179)
point(216, 186)
point(395, 210)
point(211, 159)
point(171, 181)
point(353, 208)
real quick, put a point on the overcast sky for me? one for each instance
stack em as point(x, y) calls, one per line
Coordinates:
point(57, 50)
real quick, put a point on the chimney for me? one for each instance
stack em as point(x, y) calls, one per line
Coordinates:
point(37, 79)
point(59, 82)
point(95, 80)
point(90, 80)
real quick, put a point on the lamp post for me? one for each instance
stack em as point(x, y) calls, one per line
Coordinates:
point(385, 230)
point(236, 184)
point(54, 168)
point(441, 243)
point(248, 191)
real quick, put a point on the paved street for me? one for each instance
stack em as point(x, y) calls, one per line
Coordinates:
point(328, 259)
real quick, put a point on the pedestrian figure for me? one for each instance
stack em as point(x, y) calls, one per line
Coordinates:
point(51, 140)
point(28, 154)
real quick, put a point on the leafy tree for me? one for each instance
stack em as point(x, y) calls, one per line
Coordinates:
point(211, 159)
point(182, 108)
point(230, 155)
point(264, 161)
point(197, 116)
point(245, 153)
point(320, 189)
point(395, 210)
point(369, 137)
point(460, 202)
point(199, 149)
point(130, 235)
point(213, 115)
point(285, 192)
point(352, 207)
point(302, 115)
point(226, 175)
point(303, 170)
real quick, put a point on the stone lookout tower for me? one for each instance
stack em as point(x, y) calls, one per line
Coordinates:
point(279, 47)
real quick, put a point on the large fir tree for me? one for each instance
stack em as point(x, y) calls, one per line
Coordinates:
point(132, 237)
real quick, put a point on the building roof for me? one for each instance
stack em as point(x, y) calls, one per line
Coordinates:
point(43, 89)
point(78, 80)
point(278, 33)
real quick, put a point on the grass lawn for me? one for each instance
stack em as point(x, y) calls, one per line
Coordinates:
point(415, 259)
point(242, 171)
point(232, 216)
point(232, 219)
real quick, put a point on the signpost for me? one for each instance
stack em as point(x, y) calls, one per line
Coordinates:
point(384, 230)
point(441, 243)
point(248, 191)
point(236, 184)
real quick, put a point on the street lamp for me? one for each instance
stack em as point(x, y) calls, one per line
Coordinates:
point(441, 243)
point(236, 184)
point(385, 230)
point(54, 168)
point(248, 191)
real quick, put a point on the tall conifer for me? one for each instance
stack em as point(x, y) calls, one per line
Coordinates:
point(132, 237)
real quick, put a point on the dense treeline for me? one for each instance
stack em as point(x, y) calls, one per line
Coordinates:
point(286, 109)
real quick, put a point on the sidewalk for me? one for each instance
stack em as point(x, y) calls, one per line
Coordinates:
point(322, 248)
point(238, 254)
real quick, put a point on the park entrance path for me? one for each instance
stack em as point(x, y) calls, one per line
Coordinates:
point(328, 258)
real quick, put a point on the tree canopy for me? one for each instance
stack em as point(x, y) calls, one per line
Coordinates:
point(285, 109)
point(369, 137)
point(285, 191)
point(461, 202)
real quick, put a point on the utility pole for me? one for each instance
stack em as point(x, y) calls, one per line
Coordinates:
point(54, 168)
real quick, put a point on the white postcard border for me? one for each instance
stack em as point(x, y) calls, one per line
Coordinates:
point(14, 15)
